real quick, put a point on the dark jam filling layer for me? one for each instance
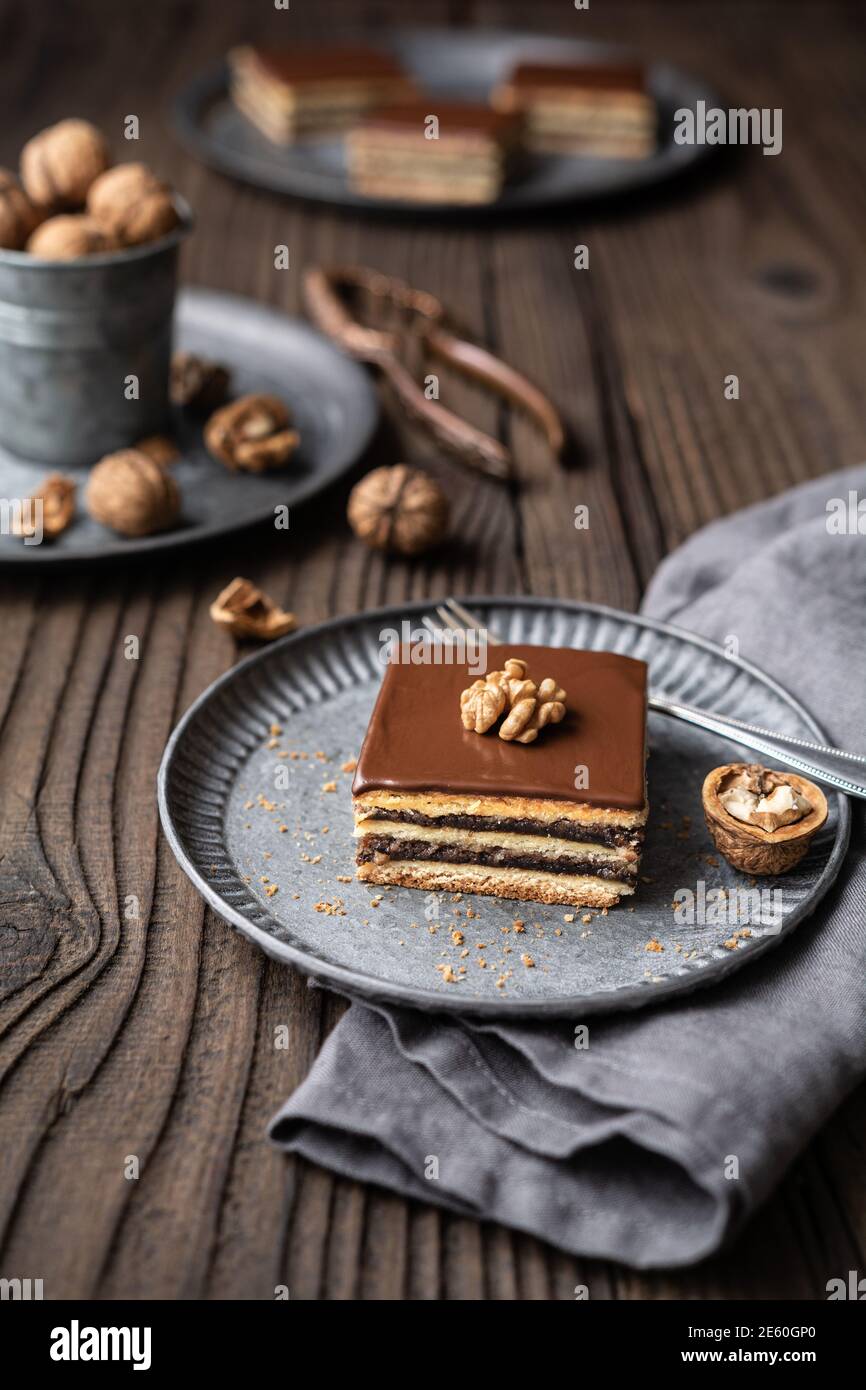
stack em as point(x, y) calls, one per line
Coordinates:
point(613, 835)
point(377, 845)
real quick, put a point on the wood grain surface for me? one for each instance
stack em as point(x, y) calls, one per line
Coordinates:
point(132, 1021)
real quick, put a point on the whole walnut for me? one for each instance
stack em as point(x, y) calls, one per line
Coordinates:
point(69, 236)
point(132, 494)
point(18, 216)
point(60, 163)
point(252, 434)
point(401, 509)
point(132, 204)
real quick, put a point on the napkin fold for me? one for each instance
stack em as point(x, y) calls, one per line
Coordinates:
point(654, 1144)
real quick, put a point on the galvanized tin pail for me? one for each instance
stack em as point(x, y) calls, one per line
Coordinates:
point(85, 349)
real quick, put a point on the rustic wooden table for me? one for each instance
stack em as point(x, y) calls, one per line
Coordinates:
point(151, 1035)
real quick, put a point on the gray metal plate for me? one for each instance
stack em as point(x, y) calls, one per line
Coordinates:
point(319, 687)
point(331, 397)
point(450, 63)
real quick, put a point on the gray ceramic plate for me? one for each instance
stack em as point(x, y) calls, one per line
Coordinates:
point(292, 891)
point(448, 62)
point(331, 397)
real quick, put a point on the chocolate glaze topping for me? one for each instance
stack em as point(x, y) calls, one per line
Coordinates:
point(292, 63)
point(617, 77)
point(415, 741)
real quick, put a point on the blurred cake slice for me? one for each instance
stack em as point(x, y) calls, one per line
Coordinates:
point(433, 151)
point(558, 820)
point(579, 109)
point(292, 93)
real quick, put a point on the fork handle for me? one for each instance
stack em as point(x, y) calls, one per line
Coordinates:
point(833, 766)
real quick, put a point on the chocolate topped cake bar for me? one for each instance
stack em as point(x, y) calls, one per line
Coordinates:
point(464, 158)
point(291, 93)
point(558, 819)
point(577, 109)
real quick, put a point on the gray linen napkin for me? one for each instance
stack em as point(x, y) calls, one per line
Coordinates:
point(621, 1150)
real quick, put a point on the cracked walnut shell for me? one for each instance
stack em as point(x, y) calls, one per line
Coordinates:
point(68, 236)
point(132, 494)
point(55, 499)
point(60, 163)
point(400, 509)
point(773, 847)
point(248, 611)
point(131, 204)
point(252, 434)
point(196, 382)
point(18, 216)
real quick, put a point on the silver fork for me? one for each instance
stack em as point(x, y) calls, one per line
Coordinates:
point(834, 766)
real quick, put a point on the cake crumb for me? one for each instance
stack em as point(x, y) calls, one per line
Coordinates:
point(329, 787)
point(569, 917)
point(457, 937)
point(586, 918)
point(447, 974)
point(518, 926)
point(275, 730)
point(528, 961)
point(349, 765)
point(654, 945)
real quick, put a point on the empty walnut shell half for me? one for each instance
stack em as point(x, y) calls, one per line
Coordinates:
point(252, 434)
point(60, 163)
point(749, 847)
point(400, 509)
point(132, 204)
point(248, 611)
point(132, 494)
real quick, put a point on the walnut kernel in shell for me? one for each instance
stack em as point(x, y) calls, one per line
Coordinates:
point(252, 434)
point(400, 509)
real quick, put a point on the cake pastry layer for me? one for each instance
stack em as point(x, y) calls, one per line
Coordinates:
point(464, 158)
point(293, 93)
point(560, 820)
point(576, 109)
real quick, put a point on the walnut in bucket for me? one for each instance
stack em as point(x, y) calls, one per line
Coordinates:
point(69, 236)
point(530, 707)
point(60, 163)
point(131, 204)
point(252, 434)
point(18, 216)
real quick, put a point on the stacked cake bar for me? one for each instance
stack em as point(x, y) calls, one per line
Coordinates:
point(433, 151)
point(294, 93)
point(557, 820)
point(581, 110)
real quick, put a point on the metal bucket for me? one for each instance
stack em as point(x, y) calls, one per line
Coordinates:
point(85, 349)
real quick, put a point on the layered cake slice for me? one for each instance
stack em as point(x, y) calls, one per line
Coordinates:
point(293, 93)
point(581, 110)
point(526, 783)
point(433, 151)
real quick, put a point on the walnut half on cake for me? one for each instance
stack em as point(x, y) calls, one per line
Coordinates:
point(558, 819)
